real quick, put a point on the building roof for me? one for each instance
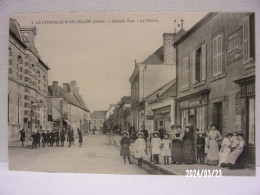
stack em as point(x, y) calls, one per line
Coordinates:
point(98, 114)
point(71, 97)
point(167, 90)
point(155, 58)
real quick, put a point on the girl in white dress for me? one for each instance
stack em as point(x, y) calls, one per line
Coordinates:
point(232, 157)
point(140, 147)
point(166, 148)
point(156, 146)
point(224, 151)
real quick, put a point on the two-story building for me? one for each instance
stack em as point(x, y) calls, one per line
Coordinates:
point(27, 82)
point(216, 76)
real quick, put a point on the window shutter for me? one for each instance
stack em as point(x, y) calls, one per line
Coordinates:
point(193, 67)
point(252, 35)
point(204, 62)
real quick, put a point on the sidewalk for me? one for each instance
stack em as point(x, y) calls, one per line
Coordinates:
point(173, 169)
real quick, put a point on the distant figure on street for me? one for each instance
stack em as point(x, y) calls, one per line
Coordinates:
point(38, 139)
point(48, 137)
point(52, 136)
point(94, 129)
point(62, 137)
point(34, 145)
point(80, 137)
point(140, 148)
point(125, 143)
point(44, 138)
point(22, 136)
point(57, 137)
point(70, 137)
point(156, 146)
point(166, 149)
point(200, 145)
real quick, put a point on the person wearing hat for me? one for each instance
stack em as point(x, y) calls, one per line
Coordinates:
point(140, 147)
point(22, 136)
point(232, 157)
point(177, 143)
point(188, 146)
point(38, 139)
point(224, 151)
point(125, 143)
point(52, 136)
point(44, 138)
point(62, 137)
point(57, 137)
point(200, 145)
point(156, 146)
point(34, 145)
point(166, 148)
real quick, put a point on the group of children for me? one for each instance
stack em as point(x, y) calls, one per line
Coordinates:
point(54, 136)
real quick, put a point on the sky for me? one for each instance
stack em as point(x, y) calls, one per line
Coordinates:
point(100, 55)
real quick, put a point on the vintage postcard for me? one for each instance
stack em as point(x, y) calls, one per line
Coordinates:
point(132, 93)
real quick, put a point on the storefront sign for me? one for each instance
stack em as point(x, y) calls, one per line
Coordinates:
point(234, 46)
point(149, 117)
point(201, 100)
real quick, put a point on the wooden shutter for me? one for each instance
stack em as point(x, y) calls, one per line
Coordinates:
point(204, 62)
point(193, 67)
point(252, 35)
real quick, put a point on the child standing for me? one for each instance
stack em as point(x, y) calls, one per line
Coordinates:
point(125, 143)
point(156, 146)
point(200, 148)
point(166, 148)
point(140, 148)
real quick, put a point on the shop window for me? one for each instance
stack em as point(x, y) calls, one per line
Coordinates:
point(218, 55)
point(251, 121)
point(185, 73)
point(248, 38)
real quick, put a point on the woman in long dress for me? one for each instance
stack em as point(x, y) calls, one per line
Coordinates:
point(188, 147)
point(213, 149)
point(224, 151)
point(232, 157)
point(140, 148)
point(177, 141)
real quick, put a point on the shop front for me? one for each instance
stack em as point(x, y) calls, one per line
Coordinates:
point(162, 117)
point(192, 111)
point(245, 109)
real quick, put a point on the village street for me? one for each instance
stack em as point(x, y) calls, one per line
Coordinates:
point(96, 155)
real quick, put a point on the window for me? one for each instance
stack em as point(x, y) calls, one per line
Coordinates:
point(10, 70)
point(199, 65)
point(248, 38)
point(185, 73)
point(21, 69)
point(10, 62)
point(217, 55)
point(21, 77)
point(10, 52)
point(26, 97)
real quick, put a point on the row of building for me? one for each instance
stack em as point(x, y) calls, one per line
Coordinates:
point(32, 104)
point(198, 77)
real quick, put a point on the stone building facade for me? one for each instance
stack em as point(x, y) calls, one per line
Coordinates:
point(27, 82)
point(216, 76)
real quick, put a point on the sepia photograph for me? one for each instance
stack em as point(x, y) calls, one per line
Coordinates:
point(152, 93)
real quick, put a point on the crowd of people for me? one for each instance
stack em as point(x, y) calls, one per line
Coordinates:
point(49, 138)
point(186, 146)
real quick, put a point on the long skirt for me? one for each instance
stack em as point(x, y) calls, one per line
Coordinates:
point(124, 151)
point(188, 151)
point(140, 153)
point(213, 153)
point(232, 157)
point(177, 155)
point(223, 156)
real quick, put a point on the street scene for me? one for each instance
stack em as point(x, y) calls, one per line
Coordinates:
point(137, 94)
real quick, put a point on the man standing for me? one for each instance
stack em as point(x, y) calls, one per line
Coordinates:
point(146, 135)
point(44, 138)
point(62, 137)
point(161, 132)
point(94, 129)
point(22, 136)
point(38, 138)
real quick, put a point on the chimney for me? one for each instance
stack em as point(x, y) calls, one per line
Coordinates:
point(66, 87)
point(54, 88)
point(169, 51)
